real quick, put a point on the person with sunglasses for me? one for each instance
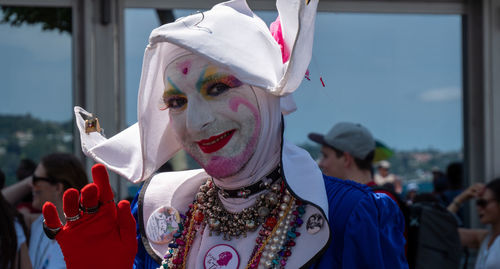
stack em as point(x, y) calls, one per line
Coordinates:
point(488, 207)
point(55, 173)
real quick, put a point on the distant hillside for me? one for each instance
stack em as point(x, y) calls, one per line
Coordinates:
point(409, 164)
point(27, 137)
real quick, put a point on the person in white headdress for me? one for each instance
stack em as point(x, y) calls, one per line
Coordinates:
point(216, 84)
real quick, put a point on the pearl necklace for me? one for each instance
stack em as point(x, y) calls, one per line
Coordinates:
point(273, 245)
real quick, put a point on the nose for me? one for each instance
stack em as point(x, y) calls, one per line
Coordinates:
point(199, 114)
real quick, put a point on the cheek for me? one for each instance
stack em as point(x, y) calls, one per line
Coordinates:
point(234, 104)
point(178, 121)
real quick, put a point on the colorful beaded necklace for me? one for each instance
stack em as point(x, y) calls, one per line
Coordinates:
point(275, 239)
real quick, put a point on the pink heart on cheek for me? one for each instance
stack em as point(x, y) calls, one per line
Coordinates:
point(222, 167)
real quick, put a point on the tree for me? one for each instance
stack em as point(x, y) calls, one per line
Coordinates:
point(56, 18)
point(49, 18)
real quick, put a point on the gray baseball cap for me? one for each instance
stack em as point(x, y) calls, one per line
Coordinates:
point(348, 137)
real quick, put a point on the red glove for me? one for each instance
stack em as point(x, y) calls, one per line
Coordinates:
point(98, 234)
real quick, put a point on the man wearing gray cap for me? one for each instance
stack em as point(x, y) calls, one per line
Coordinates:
point(347, 152)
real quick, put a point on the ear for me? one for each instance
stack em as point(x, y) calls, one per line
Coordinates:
point(348, 160)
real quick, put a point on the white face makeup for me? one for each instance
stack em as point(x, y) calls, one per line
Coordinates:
point(215, 116)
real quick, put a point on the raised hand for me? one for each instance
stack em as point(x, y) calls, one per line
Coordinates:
point(97, 233)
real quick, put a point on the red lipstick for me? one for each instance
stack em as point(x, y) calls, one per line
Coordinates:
point(215, 143)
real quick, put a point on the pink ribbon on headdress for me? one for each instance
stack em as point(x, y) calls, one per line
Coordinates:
point(277, 33)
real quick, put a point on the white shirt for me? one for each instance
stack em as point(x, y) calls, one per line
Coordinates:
point(489, 258)
point(44, 252)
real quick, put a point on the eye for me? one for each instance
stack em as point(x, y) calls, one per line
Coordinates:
point(175, 101)
point(217, 89)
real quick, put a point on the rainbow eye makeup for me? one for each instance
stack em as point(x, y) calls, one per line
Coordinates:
point(219, 84)
point(212, 83)
point(173, 98)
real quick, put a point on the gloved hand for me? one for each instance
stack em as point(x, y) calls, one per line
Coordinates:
point(97, 233)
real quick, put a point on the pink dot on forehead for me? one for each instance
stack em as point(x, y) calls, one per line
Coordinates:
point(184, 66)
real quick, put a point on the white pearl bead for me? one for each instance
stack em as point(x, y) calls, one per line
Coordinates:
point(283, 237)
point(276, 239)
point(281, 214)
point(265, 253)
point(279, 231)
point(283, 206)
point(274, 248)
point(271, 256)
point(268, 264)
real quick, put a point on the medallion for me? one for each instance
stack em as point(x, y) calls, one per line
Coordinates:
point(162, 224)
point(222, 256)
point(314, 223)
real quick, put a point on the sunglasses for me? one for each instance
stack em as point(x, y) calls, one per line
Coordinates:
point(483, 202)
point(50, 180)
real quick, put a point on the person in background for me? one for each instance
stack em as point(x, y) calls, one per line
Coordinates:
point(347, 153)
point(25, 169)
point(56, 173)
point(13, 247)
point(411, 192)
point(454, 177)
point(488, 208)
point(383, 177)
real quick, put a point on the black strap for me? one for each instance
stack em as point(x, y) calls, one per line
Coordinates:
point(257, 187)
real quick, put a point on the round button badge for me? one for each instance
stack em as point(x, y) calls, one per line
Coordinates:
point(222, 256)
point(162, 224)
point(314, 223)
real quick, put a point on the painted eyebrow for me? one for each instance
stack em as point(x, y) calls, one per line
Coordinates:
point(202, 79)
point(173, 89)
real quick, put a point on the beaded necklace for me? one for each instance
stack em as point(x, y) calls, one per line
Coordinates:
point(275, 239)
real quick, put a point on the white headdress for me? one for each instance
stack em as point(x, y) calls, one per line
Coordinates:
point(230, 35)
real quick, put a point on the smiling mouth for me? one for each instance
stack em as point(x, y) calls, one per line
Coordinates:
point(215, 143)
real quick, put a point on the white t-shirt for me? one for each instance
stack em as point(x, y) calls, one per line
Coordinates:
point(489, 258)
point(44, 252)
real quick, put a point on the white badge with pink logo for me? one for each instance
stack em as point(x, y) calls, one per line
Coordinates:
point(222, 256)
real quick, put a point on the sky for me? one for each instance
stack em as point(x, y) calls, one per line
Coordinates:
point(398, 75)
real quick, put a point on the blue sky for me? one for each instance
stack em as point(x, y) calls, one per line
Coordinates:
point(399, 75)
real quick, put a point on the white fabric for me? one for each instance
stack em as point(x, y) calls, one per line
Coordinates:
point(489, 258)
point(44, 253)
point(178, 189)
point(230, 35)
point(21, 238)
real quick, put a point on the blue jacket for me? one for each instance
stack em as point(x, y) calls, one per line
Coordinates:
point(367, 228)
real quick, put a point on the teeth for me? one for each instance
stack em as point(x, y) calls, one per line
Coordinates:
point(216, 140)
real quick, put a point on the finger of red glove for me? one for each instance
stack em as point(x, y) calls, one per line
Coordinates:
point(126, 223)
point(90, 195)
point(101, 179)
point(51, 216)
point(70, 203)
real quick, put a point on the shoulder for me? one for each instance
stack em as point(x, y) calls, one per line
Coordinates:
point(344, 191)
point(345, 198)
